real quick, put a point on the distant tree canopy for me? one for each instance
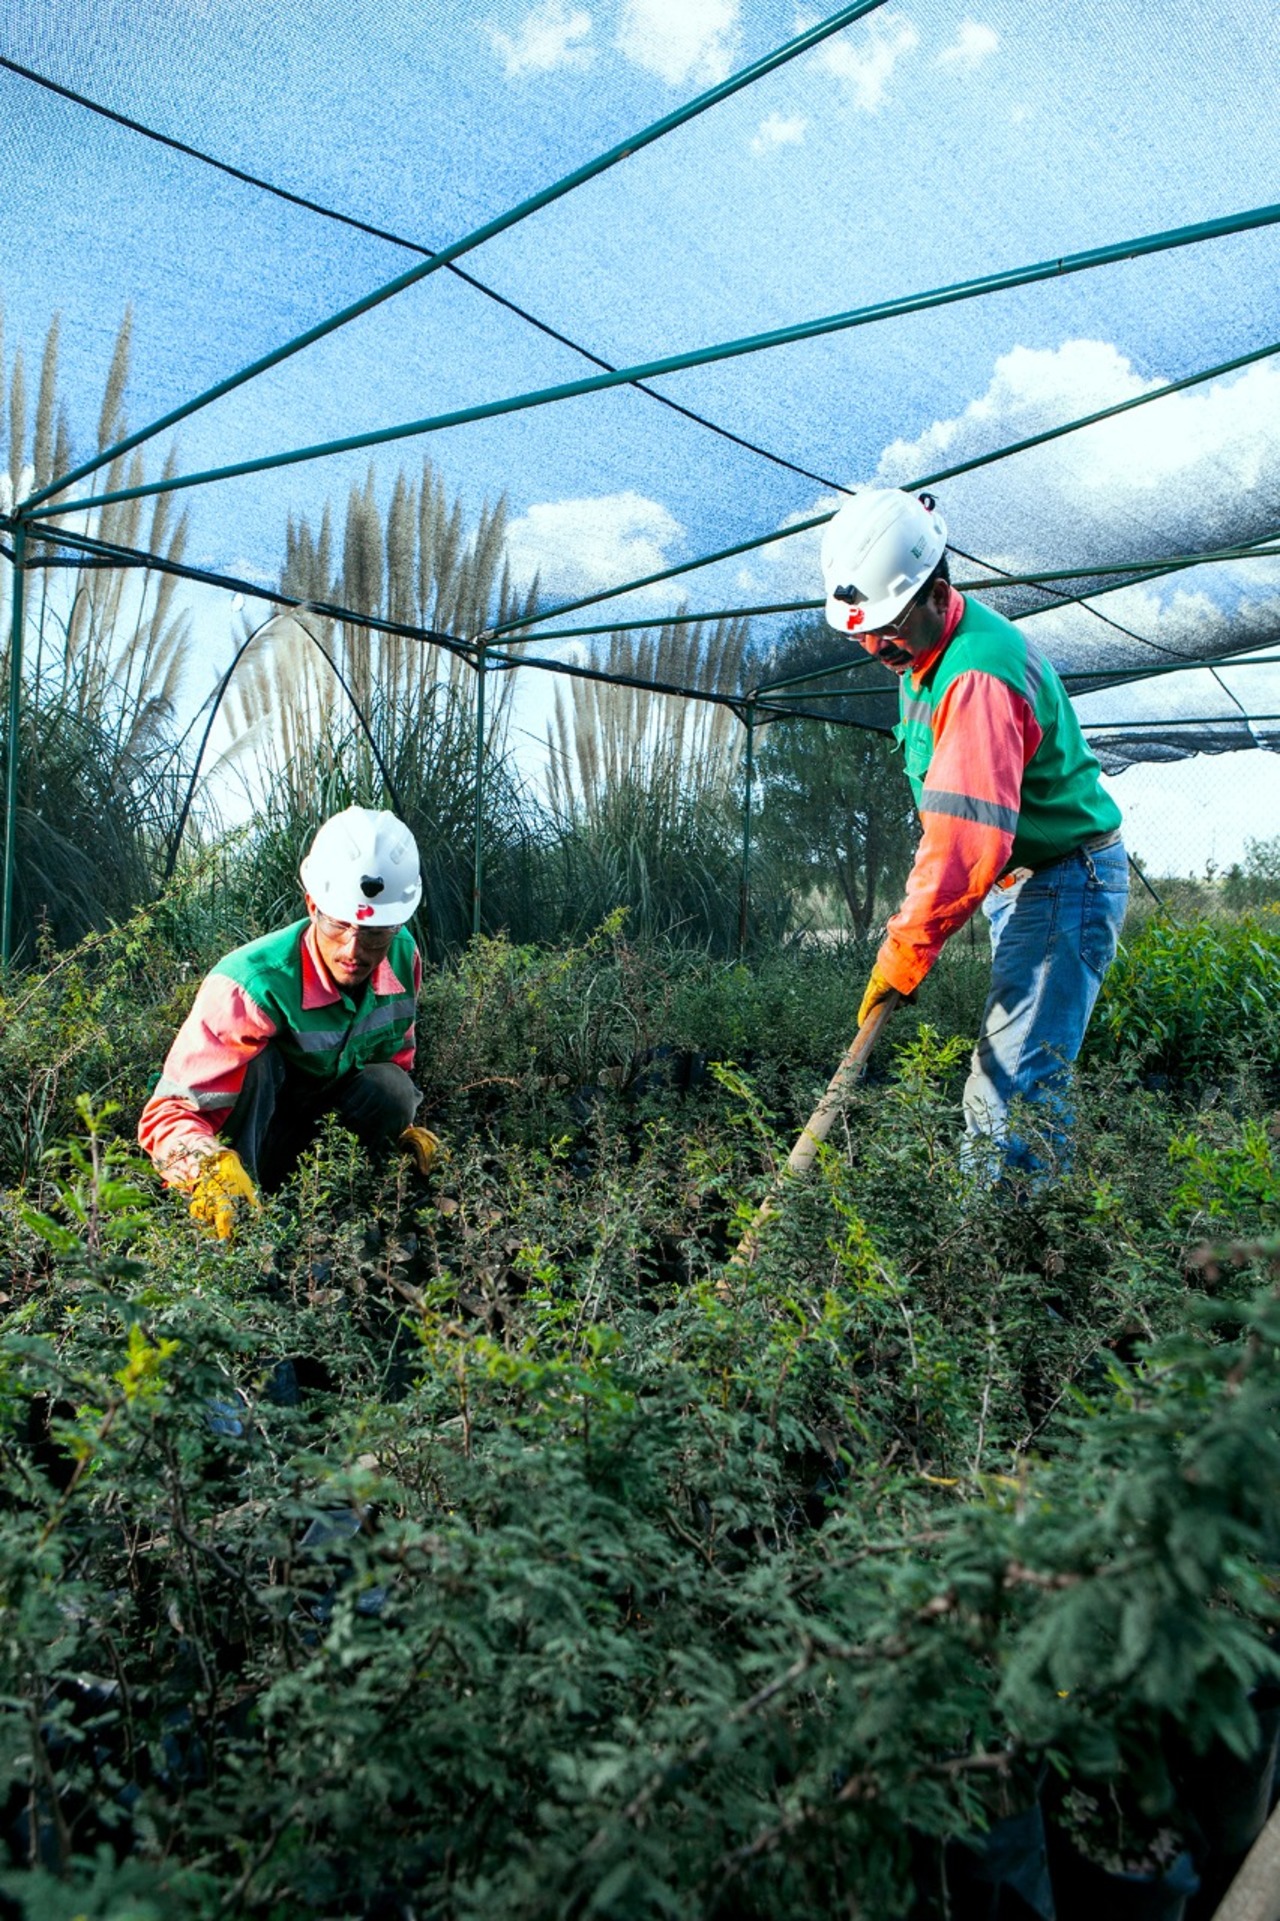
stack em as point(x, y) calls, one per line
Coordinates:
point(836, 807)
point(1255, 882)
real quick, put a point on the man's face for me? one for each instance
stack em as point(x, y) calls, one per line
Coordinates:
point(915, 633)
point(350, 953)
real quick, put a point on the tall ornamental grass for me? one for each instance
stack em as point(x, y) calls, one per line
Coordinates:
point(106, 651)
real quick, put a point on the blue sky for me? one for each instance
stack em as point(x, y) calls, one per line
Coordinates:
point(924, 145)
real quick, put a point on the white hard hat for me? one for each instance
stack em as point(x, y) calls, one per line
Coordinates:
point(363, 869)
point(877, 553)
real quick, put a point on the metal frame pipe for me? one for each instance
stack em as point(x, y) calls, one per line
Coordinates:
point(1106, 677)
point(1123, 727)
point(671, 620)
point(480, 664)
point(935, 479)
point(1148, 568)
point(1165, 241)
point(12, 743)
point(748, 718)
point(634, 143)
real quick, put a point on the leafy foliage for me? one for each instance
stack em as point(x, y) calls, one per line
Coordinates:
point(837, 810)
point(1255, 881)
point(496, 1548)
point(1196, 1001)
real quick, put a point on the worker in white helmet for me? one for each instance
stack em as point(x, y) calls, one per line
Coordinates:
point(1014, 816)
point(316, 1018)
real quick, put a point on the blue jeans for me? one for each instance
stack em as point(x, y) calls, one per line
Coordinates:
point(1053, 937)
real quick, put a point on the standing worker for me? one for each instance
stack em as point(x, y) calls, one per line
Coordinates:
point(317, 1018)
point(1014, 815)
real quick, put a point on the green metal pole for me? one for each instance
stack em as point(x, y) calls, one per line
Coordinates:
point(477, 869)
point(748, 718)
point(673, 620)
point(1055, 269)
point(801, 43)
point(11, 743)
point(909, 486)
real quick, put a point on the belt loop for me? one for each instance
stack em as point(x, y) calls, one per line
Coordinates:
point(1088, 861)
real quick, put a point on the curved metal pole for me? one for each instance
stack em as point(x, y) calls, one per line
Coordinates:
point(11, 741)
point(172, 858)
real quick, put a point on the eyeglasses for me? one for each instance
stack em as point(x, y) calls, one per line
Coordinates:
point(894, 629)
point(371, 940)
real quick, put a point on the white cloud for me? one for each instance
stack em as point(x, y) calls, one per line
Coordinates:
point(680, 40)
point(580, 546)
point(1030, 389)
point(779, 131)
point(866, 62)
point(1175, 475)
point(1178, 457)
point(1172, 476)
point(545, 39)
point(972, 45)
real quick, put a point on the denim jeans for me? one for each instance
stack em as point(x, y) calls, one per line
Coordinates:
point(1053, 937)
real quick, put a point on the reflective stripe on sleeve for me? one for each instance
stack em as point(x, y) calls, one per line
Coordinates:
point(166, 1089)
point(988, 813)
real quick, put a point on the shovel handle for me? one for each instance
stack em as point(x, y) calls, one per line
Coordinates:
point(851, 1068)
point(818, 1125)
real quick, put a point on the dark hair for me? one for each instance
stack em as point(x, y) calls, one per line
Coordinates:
point(941, 572)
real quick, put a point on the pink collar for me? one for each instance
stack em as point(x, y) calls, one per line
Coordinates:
point(954, 615)
point(318, 986)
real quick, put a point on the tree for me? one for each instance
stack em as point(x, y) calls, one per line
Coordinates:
point(1257, 882)
point(836, 807)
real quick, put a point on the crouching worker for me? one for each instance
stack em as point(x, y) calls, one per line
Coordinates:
point(317, 1018)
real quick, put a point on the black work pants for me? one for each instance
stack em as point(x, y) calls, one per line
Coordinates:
point(279, 1111)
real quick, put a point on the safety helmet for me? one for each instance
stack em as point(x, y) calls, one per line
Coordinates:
point(877, 553)
point(363, 869)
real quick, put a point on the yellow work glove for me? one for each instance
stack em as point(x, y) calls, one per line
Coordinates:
point(223, 1187)
point(877, 989)
point(422, 1146)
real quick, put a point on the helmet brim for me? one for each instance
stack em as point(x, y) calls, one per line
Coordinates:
point(355, 910)
point(867, 617)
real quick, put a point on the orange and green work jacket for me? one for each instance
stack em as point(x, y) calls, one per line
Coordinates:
point(276, 989)
point(1001, 773)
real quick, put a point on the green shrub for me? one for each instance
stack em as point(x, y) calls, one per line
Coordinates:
point(1195, 1002)
point(678, 1589)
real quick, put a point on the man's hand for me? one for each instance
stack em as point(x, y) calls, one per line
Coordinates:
point(877, 989)
point(222, 1190)
point(422, 1146)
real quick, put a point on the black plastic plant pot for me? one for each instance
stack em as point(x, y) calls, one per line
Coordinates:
point(1082, 1888)
point(1002, 1875)
point(1229, 1798)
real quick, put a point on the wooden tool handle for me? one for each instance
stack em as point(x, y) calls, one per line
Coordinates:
point(851, 1068)
point(818, 1125)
